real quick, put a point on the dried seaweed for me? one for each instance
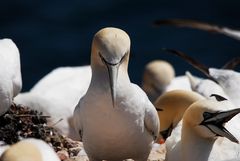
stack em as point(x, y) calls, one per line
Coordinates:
point(20, 122)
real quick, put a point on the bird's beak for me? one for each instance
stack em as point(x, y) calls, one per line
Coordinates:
point(215, 121)
point(166, 133)
point(113, 75)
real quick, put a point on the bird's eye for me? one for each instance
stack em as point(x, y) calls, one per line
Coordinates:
point(124, 56)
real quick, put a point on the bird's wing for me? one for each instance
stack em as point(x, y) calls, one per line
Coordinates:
point(77, 120)
point(151, 120)
point(196, 64)
point(232, 33)
point(232, 64)
point(63, 78)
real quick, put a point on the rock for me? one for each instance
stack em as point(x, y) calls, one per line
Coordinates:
point(63, 155)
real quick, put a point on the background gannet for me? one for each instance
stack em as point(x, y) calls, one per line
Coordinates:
point(30, 150)
point(115, 119)
point(63, 82)
point(159, 77)
point(229, 80)
point(171, 107)
point(205, 87)
point(10, 73)
point(204, 137)
point(57, 94)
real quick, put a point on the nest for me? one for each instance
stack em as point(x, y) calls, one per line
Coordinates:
point(19, 122)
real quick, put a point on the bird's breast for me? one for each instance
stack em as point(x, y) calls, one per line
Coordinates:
point(121, 126)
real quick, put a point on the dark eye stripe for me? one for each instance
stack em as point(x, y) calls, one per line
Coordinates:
point(207, 115)
point(218, 97)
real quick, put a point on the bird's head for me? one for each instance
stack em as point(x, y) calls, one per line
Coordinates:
point(173, 104)
point(207, 118)
point(158, 74)
point(110, 51)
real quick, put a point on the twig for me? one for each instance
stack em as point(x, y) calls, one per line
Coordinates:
point(23, 115)
point(56, 122)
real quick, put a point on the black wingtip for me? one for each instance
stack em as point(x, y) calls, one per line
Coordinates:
point(232, 64)
point(199, 66)
point(189, 24)
point(232, 33)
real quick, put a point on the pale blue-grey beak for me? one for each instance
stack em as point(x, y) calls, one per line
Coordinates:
point(113, 76)
point(215, 121)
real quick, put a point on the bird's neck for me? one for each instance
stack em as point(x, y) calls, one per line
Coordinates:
point(194, 147)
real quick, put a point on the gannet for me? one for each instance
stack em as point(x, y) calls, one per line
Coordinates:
point(176, 130)
point(10, 73)
point(115, 119)
point(57, 94)
point(205, 87)
point(204, 137)
point(229, 80)
point(171, 107)
point(156, 77)
point(159, 77)
point(30, 150)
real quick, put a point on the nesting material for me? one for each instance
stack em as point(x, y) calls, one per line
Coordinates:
point(20, 122)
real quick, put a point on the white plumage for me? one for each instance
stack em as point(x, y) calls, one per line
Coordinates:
point(179, 82)
point(10, 73)
point(229, 80)
point(205, 87)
